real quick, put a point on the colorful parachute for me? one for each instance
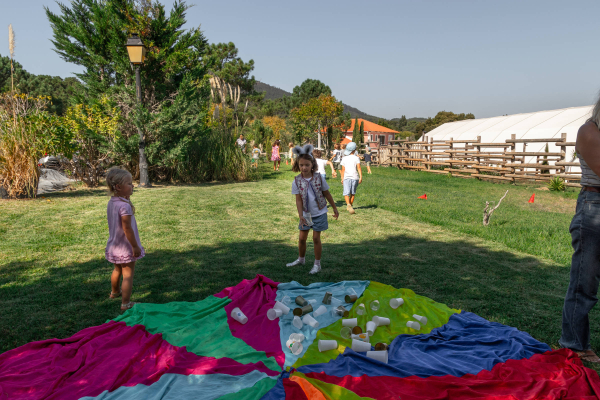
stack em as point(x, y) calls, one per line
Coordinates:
point(186, 350)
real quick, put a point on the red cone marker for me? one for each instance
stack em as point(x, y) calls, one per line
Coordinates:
point(424, 197)
point(532, 198)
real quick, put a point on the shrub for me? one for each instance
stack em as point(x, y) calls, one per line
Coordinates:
point(27, 132)
point(556, 184)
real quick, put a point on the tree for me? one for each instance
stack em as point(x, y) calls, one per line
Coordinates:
point(309, 89)
point(402, 123)
point(276, 124)
point(176, 97)
point(355, 131)
point(317, 114)
point(441, 118)
point(361, 133)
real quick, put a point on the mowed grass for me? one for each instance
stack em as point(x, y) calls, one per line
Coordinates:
point(54, 280)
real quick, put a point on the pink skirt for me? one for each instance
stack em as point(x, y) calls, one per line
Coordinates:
point(275, 157)
point(122, 259)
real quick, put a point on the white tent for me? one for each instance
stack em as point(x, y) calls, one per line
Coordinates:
point(536, 125)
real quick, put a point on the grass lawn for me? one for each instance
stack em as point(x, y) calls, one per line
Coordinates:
point(54, 280)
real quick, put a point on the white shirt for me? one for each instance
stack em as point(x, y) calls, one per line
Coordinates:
point(321, 165)
point(337, 155)
point(350, 162)
point(312, 206)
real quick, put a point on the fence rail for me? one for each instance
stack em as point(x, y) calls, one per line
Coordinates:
point(487, 161)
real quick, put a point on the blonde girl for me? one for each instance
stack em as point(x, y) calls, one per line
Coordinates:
point(312, 195)
point(275, 157)
point(123, 248)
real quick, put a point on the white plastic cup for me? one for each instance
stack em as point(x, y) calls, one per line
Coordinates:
point(422, 320)
point(312, 302)
point(309, 320)
point(361, 309)
point(363, 337)
point(286, 300)
point(336, 302)
point(295, 347)
point(397, 302)
point(285, 309)
point(359, 345)
point(414, 325)
point(351, 292)
point(274, 313)
point(297, 337)
point(320, 311)
point(374, 305)
point(346, 332)
point(371, 326)
point(239, 316)
point(325, 345)
point(351, 322)
point(381, 356)
point(381, 321)
point(297, 322)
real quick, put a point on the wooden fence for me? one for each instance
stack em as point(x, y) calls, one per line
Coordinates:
point(509, 161)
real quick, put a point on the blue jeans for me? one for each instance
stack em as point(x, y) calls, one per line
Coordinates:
point(582, 293)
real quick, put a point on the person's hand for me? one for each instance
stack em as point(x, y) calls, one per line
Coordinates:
point(336, 213)
point(334, 175)
point(303, 221)
point(137, 251)
point(360, 181)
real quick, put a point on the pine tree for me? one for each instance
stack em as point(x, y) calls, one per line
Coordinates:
point(361, 133)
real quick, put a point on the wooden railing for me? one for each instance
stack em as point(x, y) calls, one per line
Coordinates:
point(475, 159)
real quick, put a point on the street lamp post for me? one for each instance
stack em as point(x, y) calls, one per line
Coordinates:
point(137, 56)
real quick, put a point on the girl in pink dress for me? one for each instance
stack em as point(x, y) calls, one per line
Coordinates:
point(275, 157)
point(123, 248)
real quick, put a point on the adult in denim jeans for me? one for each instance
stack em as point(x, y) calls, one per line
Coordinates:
point(582, 293)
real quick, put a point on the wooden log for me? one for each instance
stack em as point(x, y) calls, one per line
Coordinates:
point(530, 177)
point(540, 166)
point(530, 140)
point(435, 163)
point(490, 145)
point(491, 177)
point(464, 170)
point(414, 159)
point(564, 144)
point(436, 171)
point(414, 167)
point(488, 168)
point(435, 153)
point(462, 162)
point(569, 176)
point(532, 153)
point(568, 164)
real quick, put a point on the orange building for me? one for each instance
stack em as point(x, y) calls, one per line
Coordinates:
point(373, 132)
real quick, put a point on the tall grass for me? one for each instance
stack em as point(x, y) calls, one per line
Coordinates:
point(215, 157)
point(21, 144)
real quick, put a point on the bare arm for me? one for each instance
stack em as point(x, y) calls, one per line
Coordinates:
point(130, 235)
point(343, 172)
point(588, 145)
point(300, 210)
point(329, 198)
point(359, 173)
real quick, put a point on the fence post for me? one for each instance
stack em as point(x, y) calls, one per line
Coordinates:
point(513, 159)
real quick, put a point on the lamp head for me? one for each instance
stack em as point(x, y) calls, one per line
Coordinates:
point(136, 50)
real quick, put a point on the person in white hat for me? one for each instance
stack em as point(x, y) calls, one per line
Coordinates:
point(351, 175)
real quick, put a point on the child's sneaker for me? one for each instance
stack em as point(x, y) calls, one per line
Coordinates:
point(293, 264)
point(350, 209)
point(316, 268)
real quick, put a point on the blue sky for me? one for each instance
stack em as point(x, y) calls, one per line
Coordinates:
point(388, 58)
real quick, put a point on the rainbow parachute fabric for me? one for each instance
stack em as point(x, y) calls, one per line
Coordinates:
point(185, 350)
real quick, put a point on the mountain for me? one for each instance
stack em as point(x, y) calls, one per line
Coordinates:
point(273, 93)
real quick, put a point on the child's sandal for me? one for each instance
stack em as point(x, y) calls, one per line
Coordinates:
point(115, 295)
point(125, 307)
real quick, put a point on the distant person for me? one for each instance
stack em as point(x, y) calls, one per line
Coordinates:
point(275, 157)
point(336, 157)
point(367, 158)
point(242, 143)
point(312, 195)
point(255, 156)
point(321, 164)
point(291, 153)
point(581, 295)
point(123, 248)
point(351, 175)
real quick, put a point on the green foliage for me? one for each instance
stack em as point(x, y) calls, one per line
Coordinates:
point(361, 133)
point(557, 184)
point(261, 134)
point(441, 118)
point(315, 116)
point(404, 135)
point(60, 91)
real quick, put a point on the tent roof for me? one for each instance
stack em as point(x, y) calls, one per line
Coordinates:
point(371, 126)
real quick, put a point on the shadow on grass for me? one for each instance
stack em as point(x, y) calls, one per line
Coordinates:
point(41, 301)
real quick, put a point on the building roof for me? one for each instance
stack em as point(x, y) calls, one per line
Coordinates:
point(371, 127)
point(345, 141)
